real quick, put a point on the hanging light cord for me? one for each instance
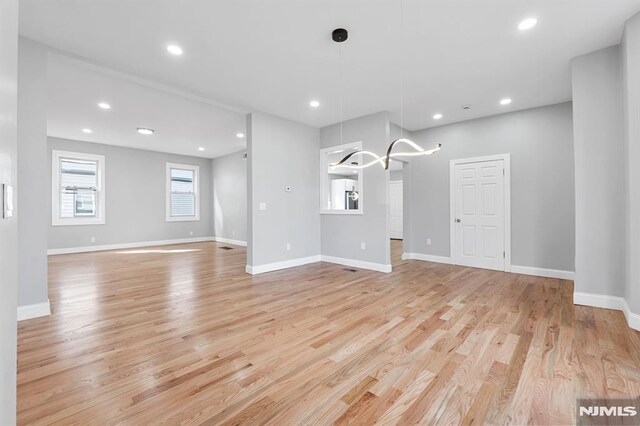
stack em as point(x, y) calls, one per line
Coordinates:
point(340, 83)
point(401, 70)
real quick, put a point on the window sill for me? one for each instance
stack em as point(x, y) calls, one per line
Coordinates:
point(347, 212)
point(183, 219)
point(77, 222)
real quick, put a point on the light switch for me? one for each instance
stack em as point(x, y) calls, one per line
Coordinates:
point(363, 246)
point(263, 206)
point(7, 201)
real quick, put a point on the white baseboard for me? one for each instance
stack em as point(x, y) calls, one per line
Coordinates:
point(36, 310)
point(608, 302)
point(426, 257)
point(86, 249)
point(230, 241)
point(525, 270)
point(361, 264)
point(542, 272)
point(275, 266)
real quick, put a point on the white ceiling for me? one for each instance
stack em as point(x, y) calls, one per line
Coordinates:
point(276, 55)
point(181, 125)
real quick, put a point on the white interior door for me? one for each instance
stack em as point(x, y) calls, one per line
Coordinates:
point(479, 216)
point(395, 209)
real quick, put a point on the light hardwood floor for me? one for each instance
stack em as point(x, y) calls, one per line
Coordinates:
point(181, 334)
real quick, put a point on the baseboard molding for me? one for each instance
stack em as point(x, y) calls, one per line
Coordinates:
point(36, 310)
point(515, 269)
point(275, 266)
point(52, 252)
point(426, 257)
point(361, 264)
point(608, 302)
point(230, 241)
point(542, 272)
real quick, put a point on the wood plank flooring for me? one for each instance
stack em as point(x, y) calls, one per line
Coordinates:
point(180, 334)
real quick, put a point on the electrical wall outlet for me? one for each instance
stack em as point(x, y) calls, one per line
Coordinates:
point(363, 246)
point(288, 246)
point(428, 241)
point(263, 206)
point(93, 239)
point(191, 233)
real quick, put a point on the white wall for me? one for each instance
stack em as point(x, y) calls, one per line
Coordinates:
point(32, 173)
point(540, 142)
point(282, 153)
point(342, 234)
point(230, 196)
point(135, 183)
point(600, 181)
point(8, 227)
point(631, 99)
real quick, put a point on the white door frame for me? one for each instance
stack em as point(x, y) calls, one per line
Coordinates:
point(506, 158)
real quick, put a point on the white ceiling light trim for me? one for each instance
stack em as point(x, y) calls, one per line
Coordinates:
point(104, 105)
point(437, 116)
point(239, 135)
point(505, 101)
point(145, 131)
point(174, 49)
point(314, 104)
point(87, 131)
point(527, 24)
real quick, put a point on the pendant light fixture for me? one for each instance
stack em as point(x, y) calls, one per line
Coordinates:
point(340, 35)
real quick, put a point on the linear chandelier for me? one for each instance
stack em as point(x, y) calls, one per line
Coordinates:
point(340, 35)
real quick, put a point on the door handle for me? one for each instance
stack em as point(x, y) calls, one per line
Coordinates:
point(458, 220)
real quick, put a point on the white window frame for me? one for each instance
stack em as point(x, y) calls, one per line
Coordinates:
point(56, 220)
point(196, 191)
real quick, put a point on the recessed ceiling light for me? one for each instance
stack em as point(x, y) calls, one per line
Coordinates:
point(201, 149)
point(174, 49)
point(240, 135)
point(314, 104)
point(145, 131)
point(527, 24)
point(104, 105)
point(505, 101)
point(437, 116)
point(87, 131)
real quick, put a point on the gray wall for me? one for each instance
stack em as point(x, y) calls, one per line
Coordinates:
point(342, 234)
point(599, 154)
point(32, 173)
point(230, 196)
point(8, 227)
point(133, 178)
point(631, 99)
point(282, 153)
point(540, 142)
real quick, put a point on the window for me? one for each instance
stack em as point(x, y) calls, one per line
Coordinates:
point(183, 200)
point(77, 188)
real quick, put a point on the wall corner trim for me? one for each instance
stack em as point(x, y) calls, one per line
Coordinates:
point(379, 267)
point(608, 302)
point(35, 310)
point(86, 249)
point(275, 266)
point(230, 241)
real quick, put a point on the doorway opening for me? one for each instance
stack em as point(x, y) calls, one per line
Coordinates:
point(396, 209)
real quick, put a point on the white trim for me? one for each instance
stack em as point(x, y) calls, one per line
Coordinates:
point(36, 310)
point(230, 241)
point(52, 252)
point(380, 267)
point(542, 272)
point(324, 186)
point(196, 191)
point(426, 257)
point(506, 158)
point(56, 220)
point(608, 302)
point(524, 270)
point(275, 266)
